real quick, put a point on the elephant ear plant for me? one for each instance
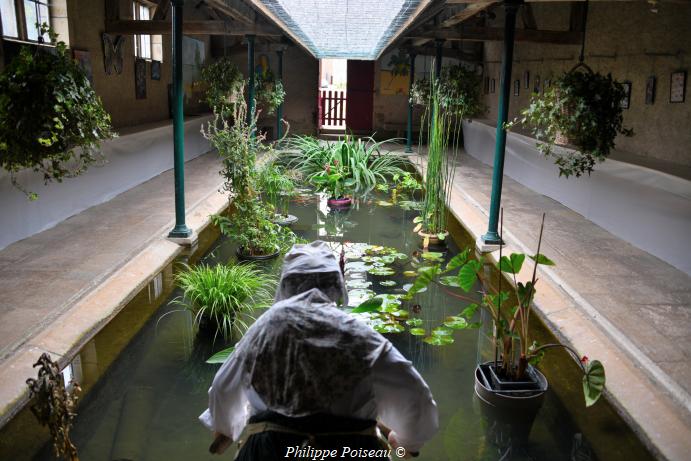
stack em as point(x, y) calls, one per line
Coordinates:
point(52, 120)
point(582, 108)
point(515, 350)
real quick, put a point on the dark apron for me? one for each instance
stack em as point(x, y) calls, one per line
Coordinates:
point(325, 432)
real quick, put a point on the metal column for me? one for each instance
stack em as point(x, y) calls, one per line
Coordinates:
point(409, 130)
point(437, 61)
point(180, 230)
point(279, 109)
point(492, 236)
point(250, 72)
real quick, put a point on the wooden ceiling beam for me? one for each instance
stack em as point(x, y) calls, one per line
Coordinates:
point(446, 52)
point(494, 34)
point(228, 10)
point(161, 10)
point(189, 27)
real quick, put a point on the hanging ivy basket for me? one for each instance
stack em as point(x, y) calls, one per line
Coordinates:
point(225, 84)
point(269, 91)
point(52, 120)
point(582, 109)
point(459, 92)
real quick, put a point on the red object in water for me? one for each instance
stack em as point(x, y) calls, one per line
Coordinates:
point(339, 202)
point(360, 90)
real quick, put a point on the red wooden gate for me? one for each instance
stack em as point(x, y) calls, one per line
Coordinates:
point(332, 109)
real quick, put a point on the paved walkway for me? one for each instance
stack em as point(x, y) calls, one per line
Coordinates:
point(43, 276)
point(605, 297)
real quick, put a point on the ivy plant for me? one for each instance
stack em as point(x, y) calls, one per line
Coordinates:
point(584, 109)
point(225, 84)
point(269, 91)
point(458, 92)
point(52, 120)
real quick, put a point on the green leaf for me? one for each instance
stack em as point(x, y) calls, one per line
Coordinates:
point(432, 256)
point(456, 323)
point(426, 275)
point(593, 382)
point(388, 283)
point(469, 311)
point(458, 260)
point(417, 219)
point(414, 322)
point(417, 331)
point(371, 305)
point(389, 328)
point(384, 271)
point(449, 281)
point(542, 259)
point(221, 356)
point(468, 274)
point(437, 340)
point(512, 264)
point(442, 331)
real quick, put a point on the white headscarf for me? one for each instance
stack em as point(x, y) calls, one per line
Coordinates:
point(305, 353)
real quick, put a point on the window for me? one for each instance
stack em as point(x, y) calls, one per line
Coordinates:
point(22, 19)
point(142, 43)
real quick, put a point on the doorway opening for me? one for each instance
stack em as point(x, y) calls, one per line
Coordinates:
point(333, 82)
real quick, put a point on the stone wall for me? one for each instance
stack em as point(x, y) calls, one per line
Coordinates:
point(633, 44)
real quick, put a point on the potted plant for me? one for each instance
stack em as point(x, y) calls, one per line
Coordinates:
point(278, 186)
point(511, 382)
point(52, 120)
point(223, 297)
point(334, 181)
point(583, 109)
point(269, 91)
point(225, 84)
point(458, 92)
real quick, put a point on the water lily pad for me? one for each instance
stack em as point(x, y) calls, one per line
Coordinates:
point(436, 340)
point(415, 322)
point(388, 259)
point(378, 264)
point(456, 323)
point(358, 283)
point(385, 271)
point(357, 296)
point(408, 286)
point(442, 331)
point(389, 328)
point(401, 256)
point(400, 314)
point(417, 331)
point(410, 273)
point(390, 302)
point(384, 203)
point(371, 259)
point(450, 281)
point(432, 256)
point(388, 283)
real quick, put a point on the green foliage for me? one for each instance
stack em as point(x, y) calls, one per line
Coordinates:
point(221, 356)
point(225, 84)
point(348, 165)
point(406, 182)
point(276, 184)
point(224, 293)
point(370, 305)
point(512, 264)
point(399, 63)
point(52, 120)
point(269, 91)
point(593, 381)
point(458, 92)
point(583, 106)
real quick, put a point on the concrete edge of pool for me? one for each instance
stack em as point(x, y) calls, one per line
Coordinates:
point(652, 414)
point(65, 336)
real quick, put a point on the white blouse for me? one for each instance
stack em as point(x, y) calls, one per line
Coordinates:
point(393, 393)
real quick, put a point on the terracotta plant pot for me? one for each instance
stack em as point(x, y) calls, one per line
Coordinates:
point(344, 202)
point(245, 257)
point(434, 239)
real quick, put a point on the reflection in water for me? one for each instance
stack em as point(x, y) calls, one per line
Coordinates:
point(146, 404)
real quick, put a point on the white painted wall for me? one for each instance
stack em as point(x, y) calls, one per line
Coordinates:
point(131, 159)
point(645, 207)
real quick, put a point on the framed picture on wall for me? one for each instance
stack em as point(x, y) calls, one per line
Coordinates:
point(492, 85)
point(486, 85)
point(516, 87)
point(677, 86)
point(526, 79)
point(626, 100)
point(155, 70)
point(83, 58)
point(547, 84)
point(650, 90)
point(140, 78)
point(536, 87)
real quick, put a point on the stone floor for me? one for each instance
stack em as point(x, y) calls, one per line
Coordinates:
point(44, 275)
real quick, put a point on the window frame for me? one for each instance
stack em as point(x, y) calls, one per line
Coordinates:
point(137, 7)
point(21, 25)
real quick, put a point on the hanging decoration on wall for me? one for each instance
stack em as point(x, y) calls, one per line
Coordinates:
point(486, 85)
point(526, 79)
point(112, 53)
point(140, 78)
point(83, 59)
point(650, 90)
point(626, 100)
point(536, 86)
point(492, 85)
point(516, 87)
point(677, 86)
point(155, 70)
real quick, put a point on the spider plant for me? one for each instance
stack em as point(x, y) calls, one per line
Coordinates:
point(224, 294)
point(354, 164)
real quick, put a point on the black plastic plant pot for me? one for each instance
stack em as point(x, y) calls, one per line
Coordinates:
point(510, 406)
point(285, 220)
point(246, 257)
point(344, 202)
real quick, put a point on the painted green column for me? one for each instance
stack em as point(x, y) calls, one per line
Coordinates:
point(279, 109)
point(409, 130)
point(250, 72)
point(180, 230)
point(511, 7)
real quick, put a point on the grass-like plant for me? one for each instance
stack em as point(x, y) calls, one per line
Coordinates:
point(224, 294)
point(276, 184)
point(351, 164)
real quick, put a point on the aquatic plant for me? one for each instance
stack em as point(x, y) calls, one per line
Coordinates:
point(225, 294)
point(582, 108)
point(443, 134)
point(348, 165)
point(511, 321)
point(52, 119)
point(225, 84)
point(274, 182)
point(54, 405)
